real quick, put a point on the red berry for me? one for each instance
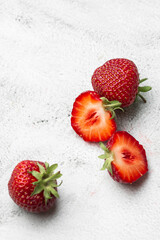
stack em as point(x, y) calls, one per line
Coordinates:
point(91, 118)
point(124, 157)
point(118, 79)
point(33, 185)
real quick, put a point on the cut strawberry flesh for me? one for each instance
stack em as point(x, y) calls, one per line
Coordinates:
point(90, 120)
point(129, 157)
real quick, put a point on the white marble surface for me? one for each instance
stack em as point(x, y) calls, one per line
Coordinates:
point(48, 52)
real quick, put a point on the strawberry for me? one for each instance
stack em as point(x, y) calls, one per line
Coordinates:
point(33, 185)
point(92, 117)
point(125, 158)
point(118, 79)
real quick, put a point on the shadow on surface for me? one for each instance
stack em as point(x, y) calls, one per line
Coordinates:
point(44, 216)
point(130, 113)
point(136, 185)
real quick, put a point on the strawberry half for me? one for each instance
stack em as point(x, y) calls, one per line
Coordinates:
point(124, 157)
point(92, 117)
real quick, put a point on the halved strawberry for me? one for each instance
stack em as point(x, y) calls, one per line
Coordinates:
point(124, 157)
point(91, 117)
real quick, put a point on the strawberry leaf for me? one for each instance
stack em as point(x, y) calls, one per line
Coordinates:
point(144, 89)
point(46, 195)
point(108, 165)
point(36, 174)
point(55, 185)
point(103, 156)
point(142, 80)
point(46, 165)
point(108, 156)
point(54, 192)
point(53, 177)
point(103, 147)
point(51, 168)
point(41, 168)
point(37, 189)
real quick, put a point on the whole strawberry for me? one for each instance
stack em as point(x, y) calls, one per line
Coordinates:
point(118, 79)
point(33, 185)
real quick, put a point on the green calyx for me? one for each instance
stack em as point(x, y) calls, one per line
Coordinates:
point(111, 106)
point(143, 89)
point(108, 156)
point(46, 181)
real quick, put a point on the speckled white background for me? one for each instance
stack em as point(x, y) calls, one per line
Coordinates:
point(48, 52)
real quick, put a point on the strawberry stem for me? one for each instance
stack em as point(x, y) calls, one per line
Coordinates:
point(111, 106)
point(139, 95)
point(108, 157)
point(143, 89)
point(46, 181)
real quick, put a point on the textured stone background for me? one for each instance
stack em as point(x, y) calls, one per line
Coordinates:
point(48, 52)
